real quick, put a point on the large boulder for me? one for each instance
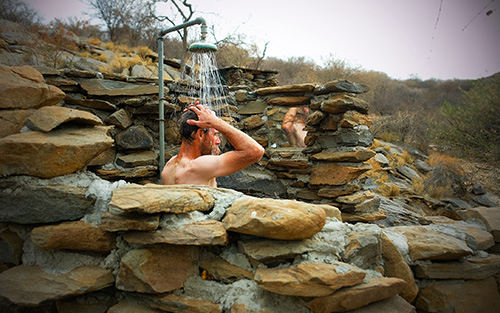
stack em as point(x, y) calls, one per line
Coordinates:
point(309, 279)
point(32, 285)
point(373, 290)
point(76, 235)
point(151, 199)
point(23, 87)
point(157, 270)
point(47, 118)
point(29, 204)
point(275, 219)
point(59, 152)
point(12, 121)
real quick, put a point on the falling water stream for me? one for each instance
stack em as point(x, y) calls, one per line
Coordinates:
point(206, 84)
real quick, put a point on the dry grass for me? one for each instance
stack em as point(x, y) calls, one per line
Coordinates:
point(407, 157)
point(94, 41)
point(418, 186)
point(388, 190)
point(447, 178)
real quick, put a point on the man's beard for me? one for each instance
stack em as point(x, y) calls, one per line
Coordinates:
point(210, 149)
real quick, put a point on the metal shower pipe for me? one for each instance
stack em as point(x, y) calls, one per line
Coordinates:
point(161, 115)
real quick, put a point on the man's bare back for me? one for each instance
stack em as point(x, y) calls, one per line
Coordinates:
point(198, 161)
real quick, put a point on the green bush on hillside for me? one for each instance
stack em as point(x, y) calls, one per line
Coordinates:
point(473, 128)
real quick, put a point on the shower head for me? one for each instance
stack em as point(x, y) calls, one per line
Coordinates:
point(202, 47)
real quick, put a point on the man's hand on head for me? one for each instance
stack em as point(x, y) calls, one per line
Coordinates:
point(206, 117)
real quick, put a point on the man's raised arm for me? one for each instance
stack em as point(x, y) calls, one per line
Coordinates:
point(247, 152)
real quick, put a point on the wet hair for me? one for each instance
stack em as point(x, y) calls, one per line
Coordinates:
point(185, 130)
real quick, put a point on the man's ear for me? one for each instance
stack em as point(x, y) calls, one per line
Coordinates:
point(199, 133)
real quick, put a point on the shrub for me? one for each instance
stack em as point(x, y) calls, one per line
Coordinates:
point(473, 128)
point(402, 126)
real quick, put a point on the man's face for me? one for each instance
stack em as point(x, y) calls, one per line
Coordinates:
point(210, 143)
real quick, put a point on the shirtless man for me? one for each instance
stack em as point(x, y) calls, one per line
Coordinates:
point(198, 161)
point(293, 124)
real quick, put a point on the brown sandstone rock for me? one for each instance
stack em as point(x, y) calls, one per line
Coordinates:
point(76, 235)
point(289, 101)
point(489, 216)
point(285, 89)
point(340, 103)
point(113, 223)
point(359, 155)
point(158, 269)
point(153, 199)
point(428, 244)
point(356, 198)
point(375, 289)
point(459, 296)
point(120, 118)
point(252, 107)
point(221, 270)
point(309, 279)
point(131, 307)
point(128, 173)
point(47, 118)
point(23, 87)
point(315, 118)
point(395, 266)
point(263, 250)
point(276, 219)
point(395, 304)
point(353, 118)
point(12, 121)
point(209, 232)
point(470, 268)
point(182, 304)
point(106, 157)
point(336, 174)
point(299, 163)
point(31, 285)
point(138, 159)
point(253, 122)
point(59, 152)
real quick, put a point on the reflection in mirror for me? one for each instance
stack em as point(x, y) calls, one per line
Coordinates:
point(293, 125)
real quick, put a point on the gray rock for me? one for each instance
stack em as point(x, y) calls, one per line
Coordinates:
point(43, 204)
point(382, 159)
point(457, 203)
point(488, 199)
point(103, 87)
point(255, 182)
point(408, 172)
point(135, 137)
point(422, 166)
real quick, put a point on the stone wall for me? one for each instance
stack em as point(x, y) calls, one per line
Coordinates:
point(85, 226)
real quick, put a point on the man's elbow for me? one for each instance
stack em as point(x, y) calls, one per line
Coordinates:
point(257, 153)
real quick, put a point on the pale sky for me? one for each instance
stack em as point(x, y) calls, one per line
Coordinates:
point(402, 38)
